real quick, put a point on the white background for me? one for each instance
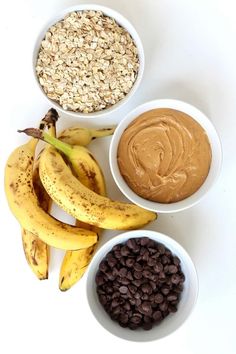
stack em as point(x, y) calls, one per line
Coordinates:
point(190, 55)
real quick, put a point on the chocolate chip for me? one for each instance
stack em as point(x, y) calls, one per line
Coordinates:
point(129, 276)
point(103, 299)
point(127, 306)
point(123, 261)
point(123, 289)
point(176, 261)
point(151, 262)
point(112, 262)
point(144, 241)
point(117, 247)
point(147, 326)
point(123, 272)
point(124, 251)
point(132, 288)
point(139, 283)
point(161, 248)
point(138, 267)
point(116, 294)
point(146, 256)
point(158, 298)
point(137, 275)
point(123, 318)
point(147, 319)
point(114, 303)
point(146, 288)
point(172, 269)
point(165, 290)
point(165, 260)
point(146, 308)
point(175, 279)
point(131, 243)
point(157, 316)
point(147, 274)
point(99, 279)
point(135, 319)
point(172, 297)
point(137, 295)
point(163, 306)
point(110, 276)
point(130, 262)
point(103, 267)
point(158, 267)
point(117, 254)
point(145, 297)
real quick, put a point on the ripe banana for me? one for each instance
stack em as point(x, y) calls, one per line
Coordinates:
point(24, 205)
point(77, 200)
point(83, 136)
point(75, 263)
point(82, 162)
point(36, 251)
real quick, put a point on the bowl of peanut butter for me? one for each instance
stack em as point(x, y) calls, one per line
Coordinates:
point(165, 155)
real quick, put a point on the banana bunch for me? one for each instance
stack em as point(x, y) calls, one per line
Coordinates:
point(67, 173)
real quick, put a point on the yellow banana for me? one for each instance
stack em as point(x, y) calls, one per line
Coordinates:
point(36, 251)
point(90, 174)
point(24, 205)
point(77, 200)
point(74, 266)
point(82, 162)
point(83, 136)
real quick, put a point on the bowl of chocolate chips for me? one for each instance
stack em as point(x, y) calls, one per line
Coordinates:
point(141, 285)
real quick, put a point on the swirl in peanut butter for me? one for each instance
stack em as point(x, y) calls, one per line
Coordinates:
point(164, 155)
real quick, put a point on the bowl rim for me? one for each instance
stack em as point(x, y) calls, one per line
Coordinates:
point(120, 19)
point(216, 162)
point(158, 237)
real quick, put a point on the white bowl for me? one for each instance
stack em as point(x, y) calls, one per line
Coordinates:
point(215, 163)
point(120, 19)
point(173, 321)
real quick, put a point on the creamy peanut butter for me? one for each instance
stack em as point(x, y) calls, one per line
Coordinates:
point(164, 155)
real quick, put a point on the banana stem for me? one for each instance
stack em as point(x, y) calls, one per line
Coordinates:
point(99, 133)
point(38, 134)
point(58, 144)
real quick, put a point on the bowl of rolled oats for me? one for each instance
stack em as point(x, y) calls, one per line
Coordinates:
point(88, 61)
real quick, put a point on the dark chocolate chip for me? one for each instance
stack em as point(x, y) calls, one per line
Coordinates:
point(157, 316)
point(175, 279)
point(138, 267)
point(99, 279)
point(103, 267)
point(131, 243)
point(123, 289)
point(130, 262)
point(144, 241)
point(158, 267)
point(123, 272)
point(158, 298)
point(147, 326)
point(146, 288)
point(124, 251)
point(173, 269)
point(137, 275)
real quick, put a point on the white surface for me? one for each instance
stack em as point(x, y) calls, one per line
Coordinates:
point(190, 55)
point(173, 321)
point(124, 22)
point(215, 149)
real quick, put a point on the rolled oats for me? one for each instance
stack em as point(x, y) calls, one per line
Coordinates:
point(87, 62)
